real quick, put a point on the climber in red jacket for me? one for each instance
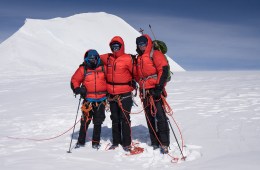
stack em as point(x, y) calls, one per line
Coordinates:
point(89, 81)
point(119, 86)
point(151, 75)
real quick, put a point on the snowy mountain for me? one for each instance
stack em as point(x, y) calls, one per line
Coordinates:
point(58, 45)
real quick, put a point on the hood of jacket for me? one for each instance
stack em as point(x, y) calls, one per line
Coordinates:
point(149, 46)
point(121, 51)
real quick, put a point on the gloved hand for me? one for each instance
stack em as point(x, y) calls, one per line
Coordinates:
point(134, 84)
point(157, 91)
point(81, 90)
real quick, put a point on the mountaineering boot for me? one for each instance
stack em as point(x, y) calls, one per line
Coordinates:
point(112, 147)
point(155, 147)
point(164, 149)
point(127, 148)
point(78, 145)
point(96, 146)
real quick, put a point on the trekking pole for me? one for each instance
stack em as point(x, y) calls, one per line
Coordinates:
point(157, 45)
point(175, 137)
point(152, 31)
point(69, 151)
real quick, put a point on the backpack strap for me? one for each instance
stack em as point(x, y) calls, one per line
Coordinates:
point(103, 70)
point(85, 72)
point(134, 61)
point(151, 54)
point(108, 58)
point(169, 71)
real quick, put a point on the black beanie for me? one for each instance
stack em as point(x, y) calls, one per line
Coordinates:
point(141, 39)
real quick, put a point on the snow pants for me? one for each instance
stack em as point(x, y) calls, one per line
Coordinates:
point(98, 115)
point(121, 123)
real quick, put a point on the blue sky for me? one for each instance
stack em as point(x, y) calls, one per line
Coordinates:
point(200, 34)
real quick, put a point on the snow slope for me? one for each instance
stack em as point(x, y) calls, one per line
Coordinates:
point(218, 114)
point(57, 45)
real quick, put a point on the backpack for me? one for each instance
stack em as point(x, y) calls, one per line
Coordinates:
point(161, 46)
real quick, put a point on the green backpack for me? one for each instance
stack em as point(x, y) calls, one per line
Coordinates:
point(161, 46)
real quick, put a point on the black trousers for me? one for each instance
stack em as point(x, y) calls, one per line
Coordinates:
point(159, 123)
point(98, 115)
point(121, 123)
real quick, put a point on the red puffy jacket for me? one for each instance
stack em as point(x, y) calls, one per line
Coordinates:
point(149, 67)
point(93, 80)
point(119, 69)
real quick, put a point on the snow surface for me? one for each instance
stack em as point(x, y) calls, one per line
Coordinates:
point(58, 45)
point(217, 112)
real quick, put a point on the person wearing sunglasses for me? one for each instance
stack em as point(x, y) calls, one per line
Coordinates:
point(151, 75)
point(89, 81)
point(119, 86)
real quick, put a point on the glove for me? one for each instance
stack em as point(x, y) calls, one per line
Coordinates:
point(81, 90)
point(134, 84)
point(157, 91)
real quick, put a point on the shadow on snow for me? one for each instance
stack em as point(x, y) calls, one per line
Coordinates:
point(139, 133)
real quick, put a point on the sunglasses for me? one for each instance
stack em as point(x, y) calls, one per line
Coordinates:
point(141, 44)
point(115, 46)
point(92, 58)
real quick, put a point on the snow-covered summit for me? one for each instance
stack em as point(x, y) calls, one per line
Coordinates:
point(57, 45)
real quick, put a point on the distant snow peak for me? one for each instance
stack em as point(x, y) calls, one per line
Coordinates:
point(57, 45)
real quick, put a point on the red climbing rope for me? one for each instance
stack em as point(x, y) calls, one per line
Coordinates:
point(33, 139)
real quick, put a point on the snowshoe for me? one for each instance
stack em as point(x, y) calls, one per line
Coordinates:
point(134, 150)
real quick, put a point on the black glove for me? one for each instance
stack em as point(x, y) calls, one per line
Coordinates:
point(81, 90)
point(157, 91)
point(134, 84)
